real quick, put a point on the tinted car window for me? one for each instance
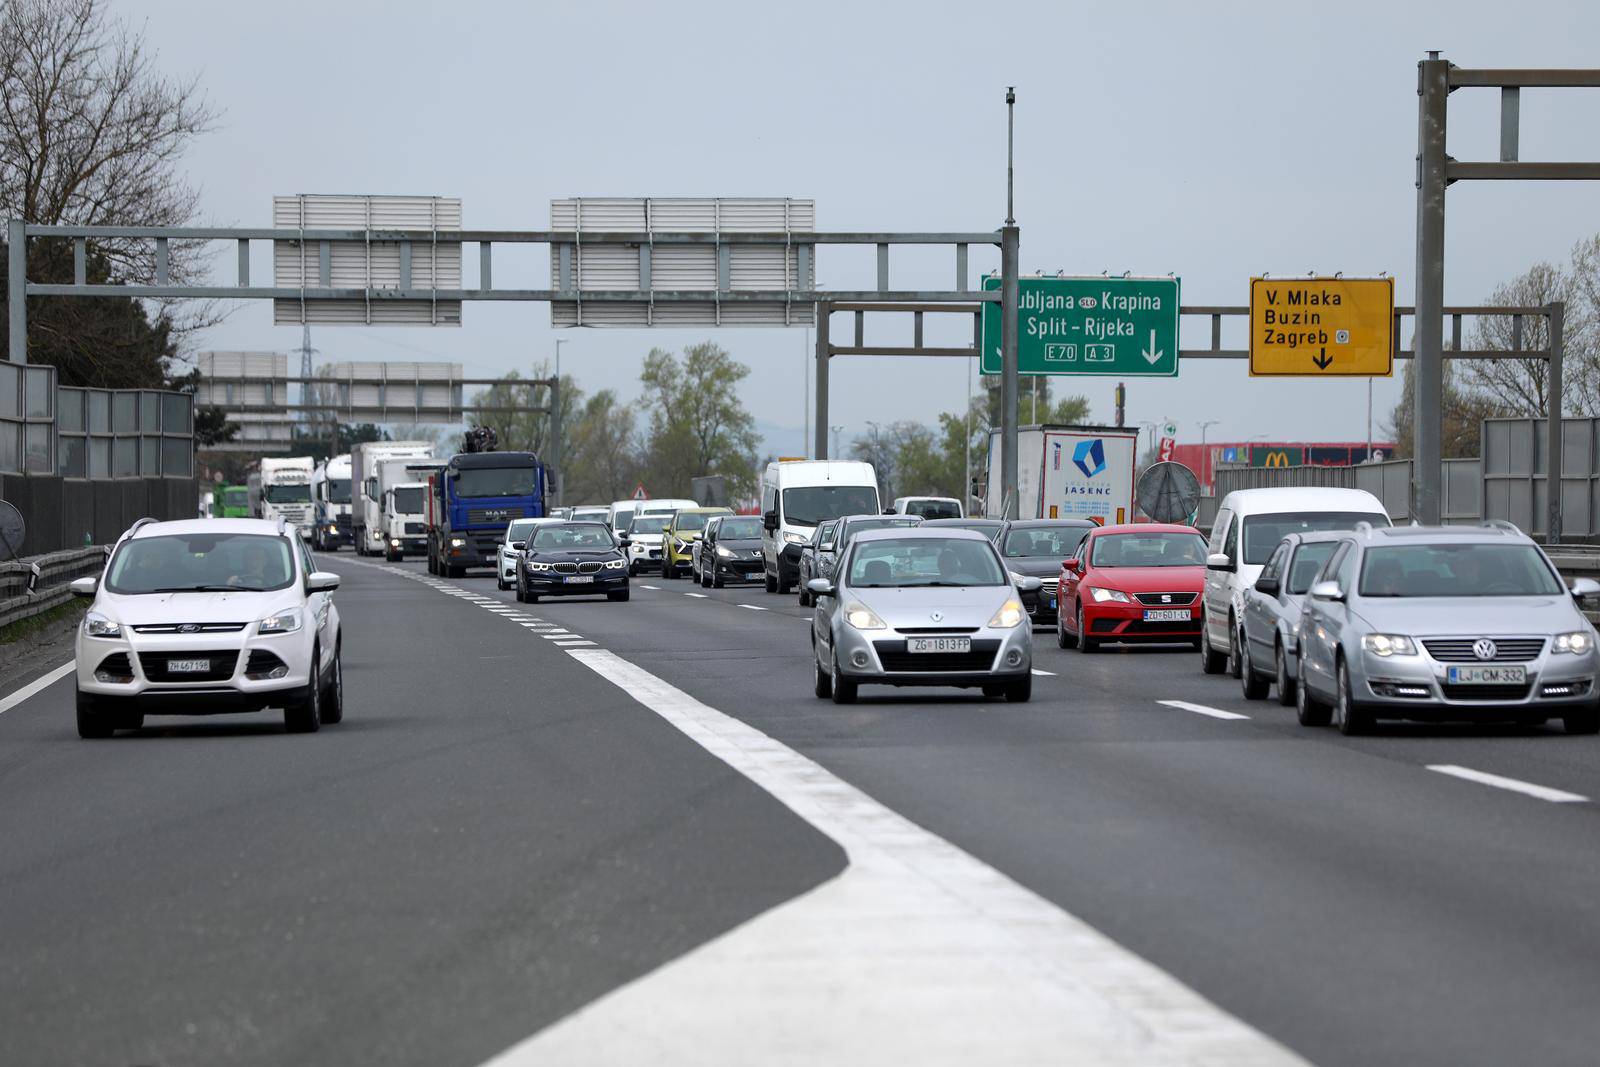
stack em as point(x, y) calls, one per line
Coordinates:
point(690, 521)
point(200, 561)
point(288, 494)
point(1456, 570)
point(1308, 560)
point(934, 509)
point(906, 562)
point(743, 528)
point(1053, 541)
point(648, 524)
point(810, 505)
point(562, 537)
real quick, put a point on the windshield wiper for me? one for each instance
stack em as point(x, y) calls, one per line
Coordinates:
point(209, 589)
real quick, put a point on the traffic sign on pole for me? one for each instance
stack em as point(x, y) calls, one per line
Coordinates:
point(1322, 327)
point(1089, 326)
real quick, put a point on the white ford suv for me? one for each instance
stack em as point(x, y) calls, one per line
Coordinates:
point(207, 616)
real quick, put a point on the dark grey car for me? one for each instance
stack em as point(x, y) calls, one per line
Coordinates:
point(1036, 548)
point(1271, 614)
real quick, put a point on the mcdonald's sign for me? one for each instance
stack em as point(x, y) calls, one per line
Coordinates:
point(1276, 457)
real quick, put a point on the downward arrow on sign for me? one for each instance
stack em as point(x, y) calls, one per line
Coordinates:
point(1152, 354)
point(1322, 359)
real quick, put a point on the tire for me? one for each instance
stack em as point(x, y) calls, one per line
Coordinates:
point(392, 556)
point(619, 596)
point(717, 581)
point(1064, 639)
point(500, 583)
point(1255, 687)
point(452, 571)
point(772, 583)
point(633, 569)
point(705, 580)
point(1235, 662)
point(821, 680)
point(1210, 662)
point(804, 595)
point(1584, 720)
point(844, 689)
point(305, 717)
point(533, 598)
point(1021, 690)
point(784, 587)
point(333, 700)
point(1347, 714)
point(994, 692)
point(1310, 711)
point(93, 725)
point(1285, 684)
point(1086, 644)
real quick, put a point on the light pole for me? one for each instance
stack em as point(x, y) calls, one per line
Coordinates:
point(1204, 426)
point(555, 424)
point(837, 430)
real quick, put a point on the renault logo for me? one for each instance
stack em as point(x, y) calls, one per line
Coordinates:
point(1484, 649)
point(936, 616)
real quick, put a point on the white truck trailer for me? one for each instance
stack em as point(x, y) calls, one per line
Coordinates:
point(330, 504)
point(281, 488)
point(1068, 472)
point(403, 493)
point(366, 499)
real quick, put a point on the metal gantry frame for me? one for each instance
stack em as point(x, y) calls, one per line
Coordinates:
point(1436, 79)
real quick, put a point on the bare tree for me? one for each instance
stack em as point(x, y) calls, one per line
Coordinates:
point(1517, 385)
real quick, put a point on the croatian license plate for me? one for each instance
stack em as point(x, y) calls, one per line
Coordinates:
point(1486, 675)
point(1166, 615)
point(938, 644)
point(188, 666)
point(580, 579)
point(1049, 601)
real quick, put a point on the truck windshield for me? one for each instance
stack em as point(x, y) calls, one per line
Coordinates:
point(816, 503)
point(495, 481)
point(408, 500)
point(288, 494)
point(237, 497)
point(338, 490)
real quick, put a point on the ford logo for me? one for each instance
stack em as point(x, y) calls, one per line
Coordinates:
point(188, 628)
point(1485, 649)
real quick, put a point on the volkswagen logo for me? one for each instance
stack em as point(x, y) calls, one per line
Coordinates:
point(1484, 649)
point(936, 616)
point(188, 628)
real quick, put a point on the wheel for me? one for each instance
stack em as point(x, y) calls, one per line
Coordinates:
point(1347, 714)
point(805, 595)
point(821, 680)
point(533, 598)
point(844, 689)
point(705, 580)
point(1085, 642)
point(1064, 639)
point(93, 725)
point(1210, 662)
point(392, 556)
point(620, 594)
point(784, 587)
point(1255, 687)
point(500, 583)
point(717, 581)
point(1308, 710)
point(1284, 683)
point(453, 571)
point(772, 583)
point(1584, 720)
point(1235, 663)
point(667, 572)
point(1020, 690)
point(305, 717)
point(633, 569)
point(333, 700)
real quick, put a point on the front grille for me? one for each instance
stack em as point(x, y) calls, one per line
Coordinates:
point(478, 516)
point(590, 567)
point(154, 665)
point(894, 657)
point(937, 629)
point(564, 568)
point(1170, 600)
point(1486, 692)
point(1050, 583)
point(416, 528)
point(1507, 649)
point(342, 522)
point(191, 628)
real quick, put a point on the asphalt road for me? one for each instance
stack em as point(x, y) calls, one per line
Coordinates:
point(495, 837)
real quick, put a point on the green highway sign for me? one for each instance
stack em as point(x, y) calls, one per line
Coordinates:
point(1127, 327)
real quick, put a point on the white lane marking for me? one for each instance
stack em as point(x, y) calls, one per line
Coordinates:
point(917, 953)
point(697, 596)
point(750, 607)
point(574, 644)
point(1044, 674)
point(1201, 709)
point(555, 635)
point(1515, 785)
point(35, 686)
point(643, 586)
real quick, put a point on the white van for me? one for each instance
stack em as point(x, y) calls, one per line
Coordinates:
point(796, 495)
point(1249, 525)
point(620, 512)
point(930, 507)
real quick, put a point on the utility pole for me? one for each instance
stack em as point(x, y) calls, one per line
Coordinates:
point(1009, 301)
point(553, 453)
point(1433, 92)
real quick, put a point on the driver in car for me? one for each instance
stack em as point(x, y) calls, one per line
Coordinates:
point(253, 575)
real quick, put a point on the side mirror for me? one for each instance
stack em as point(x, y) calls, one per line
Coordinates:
point(88, 586)
point(890, 511)
point(1219, 561)
point(1070, 564)
point(769, 521)
point(1581, 587)
point(322, 582)
point(1029, 585)
point(826, 546)
point(821, 587)
point(1269, 586)
point(623, 541)
point(518, 545)
point(1327, 591)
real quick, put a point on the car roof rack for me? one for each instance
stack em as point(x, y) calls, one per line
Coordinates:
point(1500, 524)
point(138, 524)
point(283, 524)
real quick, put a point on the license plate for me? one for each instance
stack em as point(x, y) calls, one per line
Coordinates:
point(1166, 615)
point(188, 666)
point(580, 579)
point(1049, 601)
point(1486, 675)
point(938, 644)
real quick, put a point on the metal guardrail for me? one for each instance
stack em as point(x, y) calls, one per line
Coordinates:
point(33, 586)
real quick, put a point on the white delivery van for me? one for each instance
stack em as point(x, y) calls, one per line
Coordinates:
point(1249, 525)
point(796, 495)
point(1068, 472)
point(620, 512)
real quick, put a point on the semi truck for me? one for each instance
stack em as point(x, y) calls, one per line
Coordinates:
point(1067, 472)
point(471, 499)
point(366, 499)
point(281, 488)
point(403, 492)
point(330, 504)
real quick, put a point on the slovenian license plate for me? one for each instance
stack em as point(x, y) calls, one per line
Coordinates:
point(1166, 615)
point(938, 644)
point(580, 579)
point(188, 666)
point(1486, 675)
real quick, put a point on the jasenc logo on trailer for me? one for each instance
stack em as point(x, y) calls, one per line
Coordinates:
point(1090, 457)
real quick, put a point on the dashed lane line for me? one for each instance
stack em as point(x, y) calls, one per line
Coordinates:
point(1044, 674)
point(1514, 785)
point(1201, 709)
point(750, 607)
point(36, 686)
point(698, 596)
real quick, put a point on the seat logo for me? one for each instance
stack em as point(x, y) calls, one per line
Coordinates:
point(1090, 457)
point(1166, 598)
point(1485, 649)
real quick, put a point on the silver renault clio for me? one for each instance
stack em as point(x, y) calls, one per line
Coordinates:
point(920, 606)
point(1445, 623)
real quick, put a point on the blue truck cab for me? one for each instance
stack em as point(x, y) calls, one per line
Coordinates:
point(471, 500)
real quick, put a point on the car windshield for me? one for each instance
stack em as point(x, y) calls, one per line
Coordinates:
point(934, 509)
point(647, 524)
point(408, 501)
point(338, 490)
point(200, 562)
point(1052, 542)
point(589, 515)
point(1263, 532)
point(855, 526)
point(814, 503)
point(564, 537)
point(494, 481)
point(905, 562)
point(1149, 550)
point(1456, 570)
point(299, 493)
point(690, 521)
point(1307, 562)
point(744, 528)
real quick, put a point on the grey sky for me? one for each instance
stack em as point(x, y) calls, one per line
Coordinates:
point(1214, 141)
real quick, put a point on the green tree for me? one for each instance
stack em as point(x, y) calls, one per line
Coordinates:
point(1463, 412)
point(698, 425)
point(602, 454)
point(1034, 403)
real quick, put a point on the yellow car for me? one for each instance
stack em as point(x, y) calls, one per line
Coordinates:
point(677, 540)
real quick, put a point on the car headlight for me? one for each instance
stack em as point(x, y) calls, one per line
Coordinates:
point(333, 529)
point(616, 564)
point(458, 542)
point(863, 618)
point(1009, 615)
point(97, 625)
point(795, 539)
point(1101, 596)
point(1577, 641)
point(725, 553)
point(535, 565)
point(286, 621)
point(683, 546)
point(1388, 644)
point(394, 542)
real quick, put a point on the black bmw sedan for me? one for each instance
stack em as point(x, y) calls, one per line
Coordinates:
point(572, 559)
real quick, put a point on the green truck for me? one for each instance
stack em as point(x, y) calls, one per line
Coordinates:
point(230, 502)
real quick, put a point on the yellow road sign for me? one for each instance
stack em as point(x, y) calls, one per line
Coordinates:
point(1322, 327)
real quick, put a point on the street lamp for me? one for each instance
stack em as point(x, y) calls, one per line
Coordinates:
point(1204, 426)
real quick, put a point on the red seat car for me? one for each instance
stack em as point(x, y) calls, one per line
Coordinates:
point(1134, 582)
